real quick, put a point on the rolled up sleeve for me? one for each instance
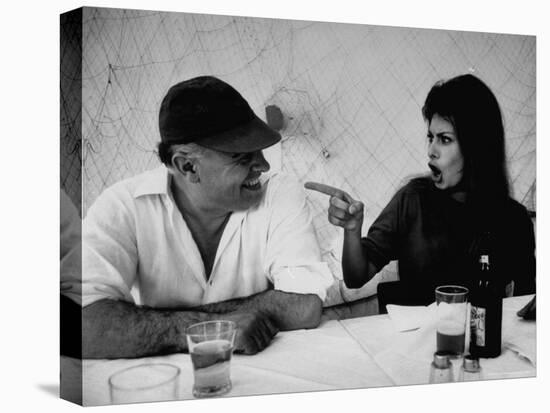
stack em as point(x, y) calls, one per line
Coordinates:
point(294, 257)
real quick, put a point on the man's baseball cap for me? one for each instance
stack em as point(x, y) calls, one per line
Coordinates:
point(207, 111)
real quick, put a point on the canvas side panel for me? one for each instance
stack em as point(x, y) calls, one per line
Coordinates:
point(71, 203)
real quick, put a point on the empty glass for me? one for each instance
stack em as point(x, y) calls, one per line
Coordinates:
point(144, 383)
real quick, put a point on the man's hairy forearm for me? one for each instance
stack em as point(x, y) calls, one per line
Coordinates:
point(288, 310)
point(118, 329)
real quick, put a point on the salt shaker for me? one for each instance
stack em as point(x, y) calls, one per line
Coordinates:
point(440, 370)
point(470, 370)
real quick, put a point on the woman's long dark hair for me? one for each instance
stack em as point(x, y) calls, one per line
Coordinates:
point(473, 110)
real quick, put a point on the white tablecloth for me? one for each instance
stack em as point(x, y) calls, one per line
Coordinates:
point(405, 356)
point(326, 358)
point(355, 353)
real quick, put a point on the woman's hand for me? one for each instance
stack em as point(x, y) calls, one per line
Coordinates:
point(343, 211)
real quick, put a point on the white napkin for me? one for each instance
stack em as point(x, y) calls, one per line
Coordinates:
point(406, 318)
point(418, 328)
point(519, 335)
point(406, 359)
point(524, 348)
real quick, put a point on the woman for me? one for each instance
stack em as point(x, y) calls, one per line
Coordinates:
point(434, 224)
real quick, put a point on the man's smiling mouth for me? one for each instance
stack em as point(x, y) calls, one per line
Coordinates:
point(252, 184)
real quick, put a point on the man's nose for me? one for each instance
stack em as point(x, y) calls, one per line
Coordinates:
point(259, 163)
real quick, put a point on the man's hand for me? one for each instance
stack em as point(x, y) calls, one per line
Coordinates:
point(255, 330)
point(343, 211)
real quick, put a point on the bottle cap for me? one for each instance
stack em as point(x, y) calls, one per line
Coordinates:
point(441, 360)
point(471, 364)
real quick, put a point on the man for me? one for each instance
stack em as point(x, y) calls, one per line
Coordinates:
point(203, 237)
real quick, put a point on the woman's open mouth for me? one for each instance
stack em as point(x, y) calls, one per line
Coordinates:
point(437, 176)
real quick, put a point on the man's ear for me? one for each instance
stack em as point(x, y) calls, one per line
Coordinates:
point(186, 166)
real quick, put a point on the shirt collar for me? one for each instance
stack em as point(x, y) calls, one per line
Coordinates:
point(156, 182)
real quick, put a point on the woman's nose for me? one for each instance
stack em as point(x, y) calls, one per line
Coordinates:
point(259, 163)
point(432, 150)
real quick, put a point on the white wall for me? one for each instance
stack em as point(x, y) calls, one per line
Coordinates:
point(354, 90)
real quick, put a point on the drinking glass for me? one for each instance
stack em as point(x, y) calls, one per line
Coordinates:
point(144, 383)
point(210, 345)
point(452, 311)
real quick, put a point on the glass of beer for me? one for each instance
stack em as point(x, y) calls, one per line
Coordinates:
point(210, 345)
point(452, 311)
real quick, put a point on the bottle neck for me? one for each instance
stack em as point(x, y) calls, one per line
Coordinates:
point(484, 262)
point(487, 278)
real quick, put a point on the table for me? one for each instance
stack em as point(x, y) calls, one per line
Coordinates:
point(339, 354)
point(405, 356)
point(326, 358)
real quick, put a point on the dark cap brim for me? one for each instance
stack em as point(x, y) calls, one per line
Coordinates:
point(250, 137)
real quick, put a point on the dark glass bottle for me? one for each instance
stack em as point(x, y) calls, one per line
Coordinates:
point(486, 306)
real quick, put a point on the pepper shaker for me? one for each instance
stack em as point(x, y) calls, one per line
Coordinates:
point(440, 369)
point(470, 369)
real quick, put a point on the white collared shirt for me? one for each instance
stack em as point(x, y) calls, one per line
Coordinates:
point(134, 235)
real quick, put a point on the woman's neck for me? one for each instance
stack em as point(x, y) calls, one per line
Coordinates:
point(457, 192)
point(459, 196)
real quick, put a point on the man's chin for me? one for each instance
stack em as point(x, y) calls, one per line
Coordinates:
point(250, 199)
